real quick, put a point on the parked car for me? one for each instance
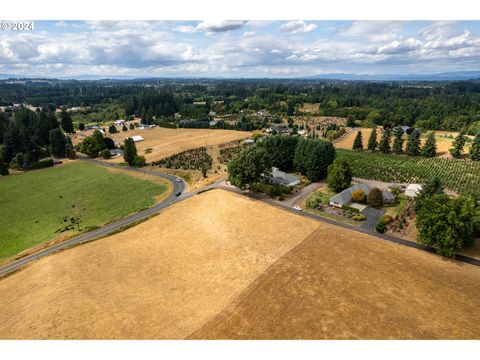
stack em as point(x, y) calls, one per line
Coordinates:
point(178, 193)
point(297, 208)
point(179, 180)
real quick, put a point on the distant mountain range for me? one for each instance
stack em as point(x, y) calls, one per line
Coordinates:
point(445, 76)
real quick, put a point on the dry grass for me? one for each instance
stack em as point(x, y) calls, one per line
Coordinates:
point(443, 144)
point(343, 285)
point(163, 278)
point(220, 265)
point(166, 142)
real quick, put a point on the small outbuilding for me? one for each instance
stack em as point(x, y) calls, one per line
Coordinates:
point(413, 190)
point(137, 138)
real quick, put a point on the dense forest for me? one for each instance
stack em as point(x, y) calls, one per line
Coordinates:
point(427, 105)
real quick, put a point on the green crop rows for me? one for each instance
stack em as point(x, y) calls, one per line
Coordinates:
point(462, 176)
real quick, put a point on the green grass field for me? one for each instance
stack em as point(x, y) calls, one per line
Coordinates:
point(33, 204)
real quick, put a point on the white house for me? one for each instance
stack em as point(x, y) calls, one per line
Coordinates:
point(120, 122)
point(413, 190)
point(137, 138)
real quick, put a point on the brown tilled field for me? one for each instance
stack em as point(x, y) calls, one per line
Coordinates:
point(220, 265)
point(443, 143)
point(165, 142)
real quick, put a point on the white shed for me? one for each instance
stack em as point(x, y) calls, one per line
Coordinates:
point(413, 190)
point(137, 138)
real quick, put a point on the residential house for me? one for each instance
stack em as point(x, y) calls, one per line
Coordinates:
point(283, 178)
point(345, 197)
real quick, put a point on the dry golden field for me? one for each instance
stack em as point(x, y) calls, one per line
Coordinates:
point(165, 142)
point(161, 279)
point(220, 265)
point(443, 144)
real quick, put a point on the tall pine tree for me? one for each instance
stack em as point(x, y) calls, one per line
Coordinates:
point(358, 142)
point(413, 144)
point(372, 141)
point(385, 142)
point(458, 145)
point(430, 147)
point(66, 122)
point(475, 149)
point(398, 142)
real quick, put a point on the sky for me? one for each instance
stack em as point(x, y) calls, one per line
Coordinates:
point(239, 48)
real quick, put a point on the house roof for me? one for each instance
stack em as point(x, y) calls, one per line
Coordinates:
point(345, 196)
point(282, 177)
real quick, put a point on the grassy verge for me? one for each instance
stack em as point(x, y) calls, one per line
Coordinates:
point(34, 203)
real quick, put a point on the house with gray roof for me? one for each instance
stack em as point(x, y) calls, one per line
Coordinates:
point(283, 178)
point(345, 197)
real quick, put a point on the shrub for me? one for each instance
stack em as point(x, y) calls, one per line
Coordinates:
point(124, 128)
point(387, 219)
point(272, 190)
point(131, 126)
point(42, 164)
point(358, 217)
point(375, 198)
point(312, 203)
point(139, 161)
point(381, 226)
point(105, 153)
point(109, 143)
point(359, 196)
point(350, 208)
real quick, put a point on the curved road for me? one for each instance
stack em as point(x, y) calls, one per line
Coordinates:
point(172, 198)
point(114, 226)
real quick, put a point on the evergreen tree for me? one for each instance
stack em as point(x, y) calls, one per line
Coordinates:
point(124, 128)
point(372, 141)
point(339, 175)
point(320, 157)
point(143, 118)
point(69, 149)
point(385, 142)
point(66, 122)
point(458, 145)
point(3, 167)
point(413, 144)
point(98, 137)
point(149, 118)
point(398, 142)
point(112, 129)
point(129, 151)
point(12, 141)
point(430, 147)
point(358, 142)
point(475, 149)
point(57, 143)
point(81, 126)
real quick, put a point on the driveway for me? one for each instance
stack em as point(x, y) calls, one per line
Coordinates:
point(372, 217)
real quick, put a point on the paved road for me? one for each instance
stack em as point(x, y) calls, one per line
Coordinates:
point(172, 198)
point(114, 226)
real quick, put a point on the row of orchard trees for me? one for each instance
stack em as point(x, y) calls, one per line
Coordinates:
point(253, 164)
point(27, 136)
point(413, 146)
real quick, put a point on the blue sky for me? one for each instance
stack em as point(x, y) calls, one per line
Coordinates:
point(240, 48)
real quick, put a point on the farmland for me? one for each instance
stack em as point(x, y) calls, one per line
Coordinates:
point(165, 142)
point(444, 140)
point(161, 279)
point(34, 203)
point(462, 176)
point(263, 274)
point(339, 285)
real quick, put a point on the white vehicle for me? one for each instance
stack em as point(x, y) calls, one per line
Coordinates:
point(297, 208)
point(179, 180)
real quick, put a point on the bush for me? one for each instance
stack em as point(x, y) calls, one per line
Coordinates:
point(124, 128)
point(359, 196)
point(358, 217)
point(312, 203)
point(387, 219)
point(381, 226)
point(42, 164)
point(350, 208)
point(272, 190)
point(375, 198)
point(139, 161)
point(105, 153)
point(109, 143)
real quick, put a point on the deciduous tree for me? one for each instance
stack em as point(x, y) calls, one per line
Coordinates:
point(339, 175)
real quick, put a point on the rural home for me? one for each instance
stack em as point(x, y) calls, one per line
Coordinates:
point(345, 197)
point(120, 122)
point(413, 190)
point(279, 128)
point(282, 178)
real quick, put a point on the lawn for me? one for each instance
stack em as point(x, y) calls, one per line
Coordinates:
point(394, 210)
point(34, 203)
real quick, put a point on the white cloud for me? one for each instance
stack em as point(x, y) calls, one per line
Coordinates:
point(299, 26)
point(372, 30)
point(212, 26)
